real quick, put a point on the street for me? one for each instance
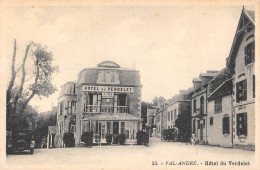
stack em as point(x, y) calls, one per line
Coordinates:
point(158, 155)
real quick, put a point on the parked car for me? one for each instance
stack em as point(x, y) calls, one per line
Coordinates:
point(19, 140)
point(168, 134)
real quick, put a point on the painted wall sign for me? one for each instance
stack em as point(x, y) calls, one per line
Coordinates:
point(107, 95)
point(108, 89)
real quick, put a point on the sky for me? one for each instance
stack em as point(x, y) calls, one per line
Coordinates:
point(169, 45)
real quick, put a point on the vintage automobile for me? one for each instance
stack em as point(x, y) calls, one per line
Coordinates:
point(19, 140)
point(168, 135)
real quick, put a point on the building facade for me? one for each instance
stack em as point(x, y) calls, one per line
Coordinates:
point(241, 62)
point(66, 115)
point(199, 106)
point(108, 101)
point(219, 123)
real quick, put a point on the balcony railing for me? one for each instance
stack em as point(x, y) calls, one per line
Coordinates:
point(121, 109)
point(92, 108)
point(104, 108)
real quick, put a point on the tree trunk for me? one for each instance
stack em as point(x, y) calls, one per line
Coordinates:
point(9, 115)
point(18, 95)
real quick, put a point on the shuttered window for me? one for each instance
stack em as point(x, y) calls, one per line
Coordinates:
point(241, 91)
point(241, 124)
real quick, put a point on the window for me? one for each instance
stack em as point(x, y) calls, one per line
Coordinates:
point(225, 123)
point(250, 53)
point(171, 115)
point(242, 124)
point(241, 91)
point(73, 103)
point(218, 105)
point(72, 128)
point(69, 107)
point(175, 114)
point(204, 124)
point(123, 127)
point(194, 106)
point(253, 86)
point(61, 108)
point(168, 116)
point(198, 122)
point(194, 122)
point(211, 121)
point(201, 105)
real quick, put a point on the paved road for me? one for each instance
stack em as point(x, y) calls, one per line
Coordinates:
point(164, 154)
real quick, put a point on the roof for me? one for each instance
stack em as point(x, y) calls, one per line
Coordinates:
point(68, 88)
point(109, 64)
point(224, 89)
point(196, 79)
point(126, 77)
point(113, 116)
point(208, 74)
point(247, 20)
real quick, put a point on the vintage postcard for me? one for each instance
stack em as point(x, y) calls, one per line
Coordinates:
point(129, 84)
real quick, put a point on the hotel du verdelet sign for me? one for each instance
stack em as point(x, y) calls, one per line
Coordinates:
point(110, 89)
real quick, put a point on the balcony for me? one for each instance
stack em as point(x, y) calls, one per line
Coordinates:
point(105, 109)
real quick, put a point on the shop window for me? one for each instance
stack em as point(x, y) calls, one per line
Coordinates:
point(218, 105)
point(242, 124)
point(194, 106)
point(253, 86)
point(241, 91)
point(211, 121)
point(250, 53)
point(225, 123)
point(122, 127)
point(72, 128)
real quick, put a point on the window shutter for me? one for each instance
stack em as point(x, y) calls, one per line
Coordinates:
point(245, 124)
point(245, 55)
point(237, 92)
point(238, 130)
point(245, 90)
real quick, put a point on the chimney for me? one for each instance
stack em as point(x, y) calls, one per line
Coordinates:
point(196, 83)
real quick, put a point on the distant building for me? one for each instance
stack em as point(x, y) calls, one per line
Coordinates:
point(66, 116)
point(241, 62)
point(150, 120)
point(199, 106)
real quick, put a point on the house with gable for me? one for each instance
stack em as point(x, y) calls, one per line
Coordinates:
point(241, 62)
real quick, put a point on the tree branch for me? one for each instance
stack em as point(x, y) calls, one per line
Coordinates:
point(18, 95)
point(34, 85)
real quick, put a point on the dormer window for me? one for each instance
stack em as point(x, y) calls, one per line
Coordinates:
point(250, 53)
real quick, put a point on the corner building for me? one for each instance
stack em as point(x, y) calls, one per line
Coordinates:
point(108, 101)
